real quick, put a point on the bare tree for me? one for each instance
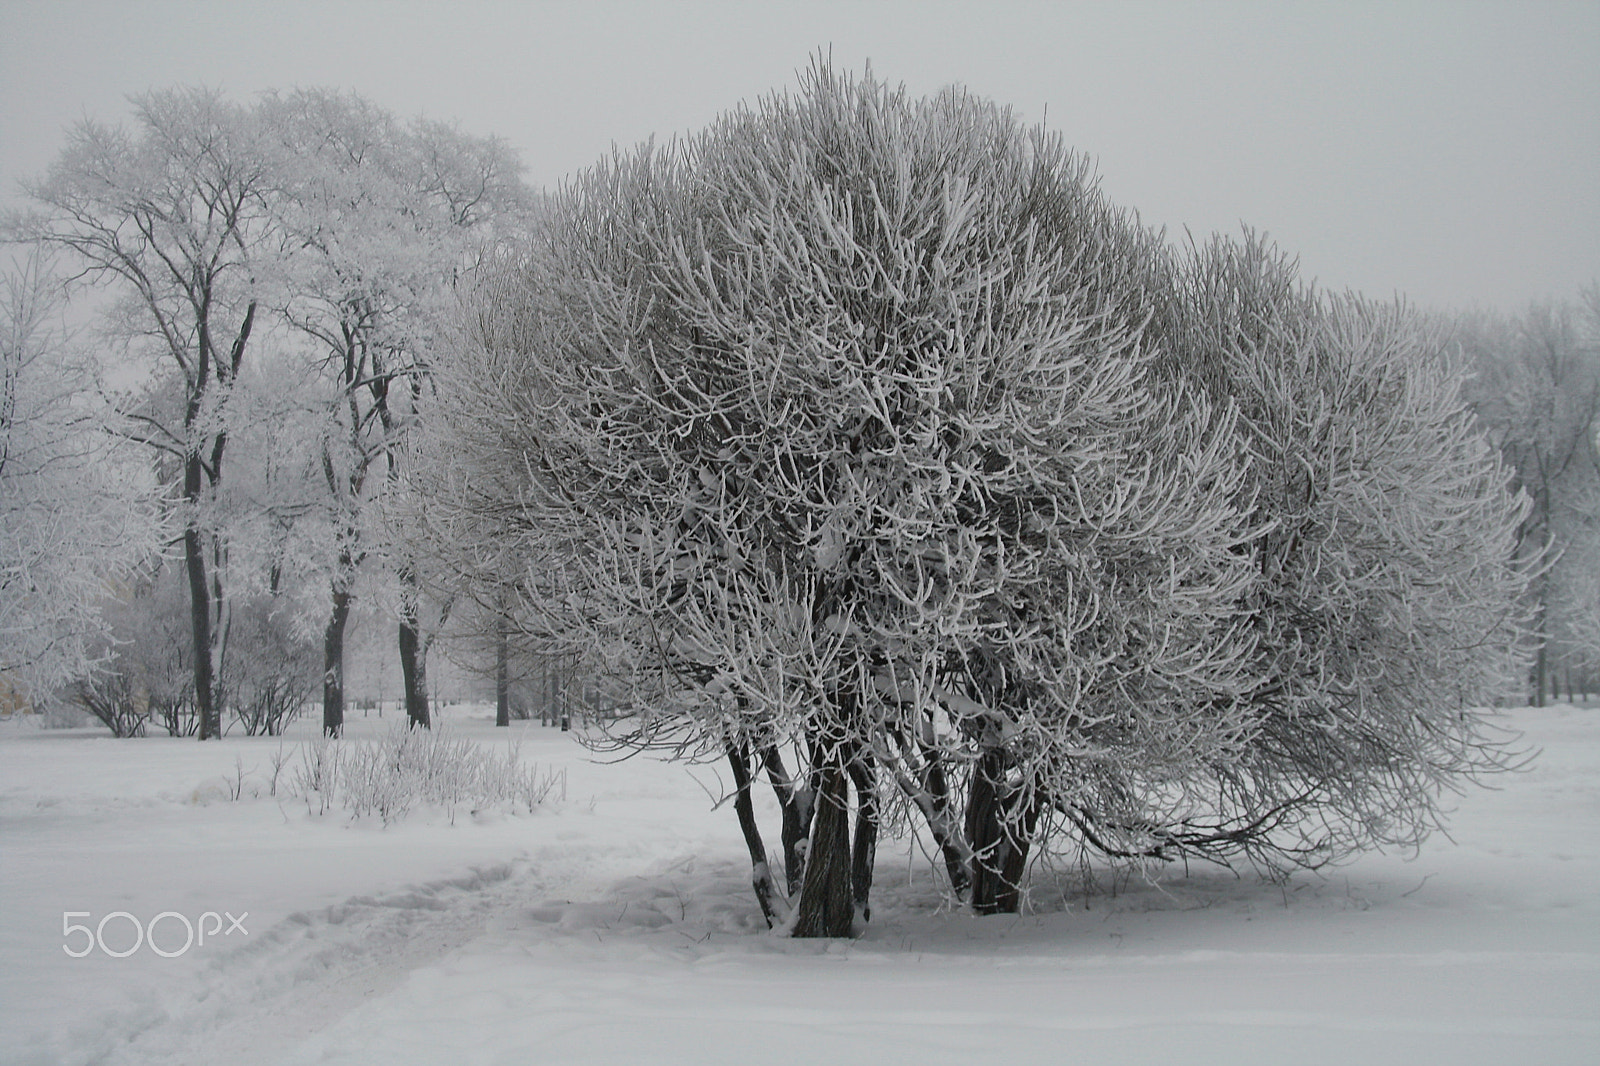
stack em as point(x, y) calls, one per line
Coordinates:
point(376, 221)
point(173, 217)
point(76, 516)
point(1536, 388)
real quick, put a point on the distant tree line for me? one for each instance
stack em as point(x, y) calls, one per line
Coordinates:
point(273, 282)
point(1535, 386)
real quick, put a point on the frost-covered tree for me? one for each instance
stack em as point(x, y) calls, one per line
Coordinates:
point(171, 218)
point(258, 513)
point(377, 220)
point(74, 508)
point(1536, 387)
point(824, 438)
point(1387, 602)
point(147, 675)
point(859, 442)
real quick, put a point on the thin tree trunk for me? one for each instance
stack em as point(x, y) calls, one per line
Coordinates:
point(796, 803)
point(205, 689)
point(929, 790)
point(564, 700)
point(552, 703)
point(945, 834)
point(333, 663)
point(207, 604)
point(1541, 663)
point(761, 881)
point(502, 676)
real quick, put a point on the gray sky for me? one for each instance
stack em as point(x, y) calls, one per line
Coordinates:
point(1446, 151)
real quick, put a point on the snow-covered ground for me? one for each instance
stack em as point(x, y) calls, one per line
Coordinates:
point(616, 925)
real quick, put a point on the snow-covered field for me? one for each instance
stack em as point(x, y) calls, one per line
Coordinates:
point(616, 925)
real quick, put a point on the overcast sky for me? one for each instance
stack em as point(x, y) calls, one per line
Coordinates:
point(1449, 152)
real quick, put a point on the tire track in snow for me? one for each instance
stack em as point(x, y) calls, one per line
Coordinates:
point(314, 966)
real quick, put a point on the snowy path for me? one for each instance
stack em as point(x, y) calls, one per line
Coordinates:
point(620, 929)
point(629, 984)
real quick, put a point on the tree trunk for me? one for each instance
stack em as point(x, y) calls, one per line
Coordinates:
point(205, 688)
point(795, 801)
point(983, 831)
point(760, 872)
point(826, 905)
point(414, 672)
point(865, 851)
point(929, 790)
point(502, 676)
point(1019, 838)
point(563, 711)
point(547, 703)
point(333, 663)
point(1000, 830)
point(1541, 632)
point(945, 834)
point(413, 651)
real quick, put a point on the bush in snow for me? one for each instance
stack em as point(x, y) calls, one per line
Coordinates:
point(273, 680)
point(859, 442)
point(409, 766)
point(1386, 605)
point(829, 445)
point(145, 675)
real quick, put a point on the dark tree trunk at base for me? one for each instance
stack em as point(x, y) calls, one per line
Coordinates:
point(796, 803)
point(827, 907)
point(1000, 828)
point(205, 687)
point(955, 863)
point(333, 665)
point(1008, 888)
point(865, 851)
point(414, 671)
point(502, 675)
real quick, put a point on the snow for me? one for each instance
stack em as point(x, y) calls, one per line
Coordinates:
point(617, 925)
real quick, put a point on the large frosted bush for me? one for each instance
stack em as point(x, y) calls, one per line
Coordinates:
point(860, 442)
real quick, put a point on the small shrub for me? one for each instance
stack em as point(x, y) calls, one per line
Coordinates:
point(113, 699)
point(406, 767)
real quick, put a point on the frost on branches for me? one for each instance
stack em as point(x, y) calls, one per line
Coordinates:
point(74, 523)
point(1387, 603)
point(859, 442)
point(171, 219)
point(377, 220)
